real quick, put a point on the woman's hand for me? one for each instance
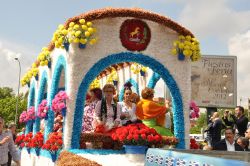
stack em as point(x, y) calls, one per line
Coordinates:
point(4, 140)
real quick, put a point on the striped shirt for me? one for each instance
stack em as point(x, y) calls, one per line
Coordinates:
point(8, 147)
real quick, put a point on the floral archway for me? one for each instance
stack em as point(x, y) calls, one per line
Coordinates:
point(179, 130)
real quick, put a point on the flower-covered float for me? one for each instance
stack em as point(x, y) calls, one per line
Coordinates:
point(80, 55)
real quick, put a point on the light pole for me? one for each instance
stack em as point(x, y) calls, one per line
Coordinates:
point(18, 88)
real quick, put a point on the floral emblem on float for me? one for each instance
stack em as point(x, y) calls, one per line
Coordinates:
point(135, 35)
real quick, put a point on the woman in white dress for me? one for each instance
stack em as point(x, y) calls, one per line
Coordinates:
point(127, 107)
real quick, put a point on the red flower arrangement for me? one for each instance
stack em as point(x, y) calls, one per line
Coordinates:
point(27, 140)
point(193, 144)
point(37, 140)
point(54, 143)
point(137, 134)
point(20, 141)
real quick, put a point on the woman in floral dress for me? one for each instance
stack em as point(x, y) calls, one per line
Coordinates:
point(95, 96)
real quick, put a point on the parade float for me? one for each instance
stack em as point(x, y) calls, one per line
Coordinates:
point(96, 48)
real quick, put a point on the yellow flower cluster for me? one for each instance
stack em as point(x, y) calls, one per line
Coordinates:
point(187, 45)
point(42, 60)
point(44, 57)
point(136, 68)
point(32, 72)
point(95, 84)
point(113, 76)
point(81, 32)
point(60, 36)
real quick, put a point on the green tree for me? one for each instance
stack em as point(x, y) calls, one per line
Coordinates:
point(8, 105)
point(201, 122)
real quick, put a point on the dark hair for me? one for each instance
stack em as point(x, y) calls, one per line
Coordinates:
point(240, 108)
point(229, 128)
point(244, 141)
point(127, 86)
point(97, 92)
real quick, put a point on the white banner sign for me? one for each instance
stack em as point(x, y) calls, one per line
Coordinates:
point(214, 81)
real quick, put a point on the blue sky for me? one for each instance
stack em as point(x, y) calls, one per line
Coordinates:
point(222, 26)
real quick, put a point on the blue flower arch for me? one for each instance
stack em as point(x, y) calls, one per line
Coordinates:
point(153, 80)
point(60, 65)
point(40, 97)
point(31, 102)
point(179, 130)
point(134, 84)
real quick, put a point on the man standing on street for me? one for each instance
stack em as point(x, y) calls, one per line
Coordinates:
point(7, 145)
point(239, 121)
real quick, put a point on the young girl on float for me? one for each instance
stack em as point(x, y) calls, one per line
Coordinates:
point(127, 107)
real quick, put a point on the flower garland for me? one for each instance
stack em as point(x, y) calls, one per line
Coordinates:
point(153, 80)
point(60, 65)
point(187, 46)
point(59, 102)
point(138, 68)
point(194, 110)
point(44, 58)
point(77, 32)
point(113, 77)
point(95, 84)
point(43, 109)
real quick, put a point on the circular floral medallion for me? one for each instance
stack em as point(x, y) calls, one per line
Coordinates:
point(135, 35)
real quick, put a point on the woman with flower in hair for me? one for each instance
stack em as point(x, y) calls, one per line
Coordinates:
point(95, 95)
point(151, 113)
point(127, 107)
point(107, 112)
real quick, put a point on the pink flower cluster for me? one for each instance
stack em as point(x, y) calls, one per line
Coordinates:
point(194, 110)
point(42, 109)
point(23, 117)
point(27, 115)
point(31, 113)
point(58, 103)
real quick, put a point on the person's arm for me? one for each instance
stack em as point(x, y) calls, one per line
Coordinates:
point(132, 113)
point(14, 152)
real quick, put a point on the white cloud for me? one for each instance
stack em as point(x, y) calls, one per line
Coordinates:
point(9, 68)
point(213, 18)
point(239, 46)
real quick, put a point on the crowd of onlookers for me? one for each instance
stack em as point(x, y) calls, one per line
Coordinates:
point(236, 129)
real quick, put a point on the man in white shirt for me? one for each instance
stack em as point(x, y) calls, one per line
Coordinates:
point(228, 144)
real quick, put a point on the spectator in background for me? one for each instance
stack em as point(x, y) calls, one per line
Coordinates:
point(240, 121)
point(12, 130)
point(7, 145)
point(228, 121)
point(228, 144)
point(214, 129)
point(243, 142)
